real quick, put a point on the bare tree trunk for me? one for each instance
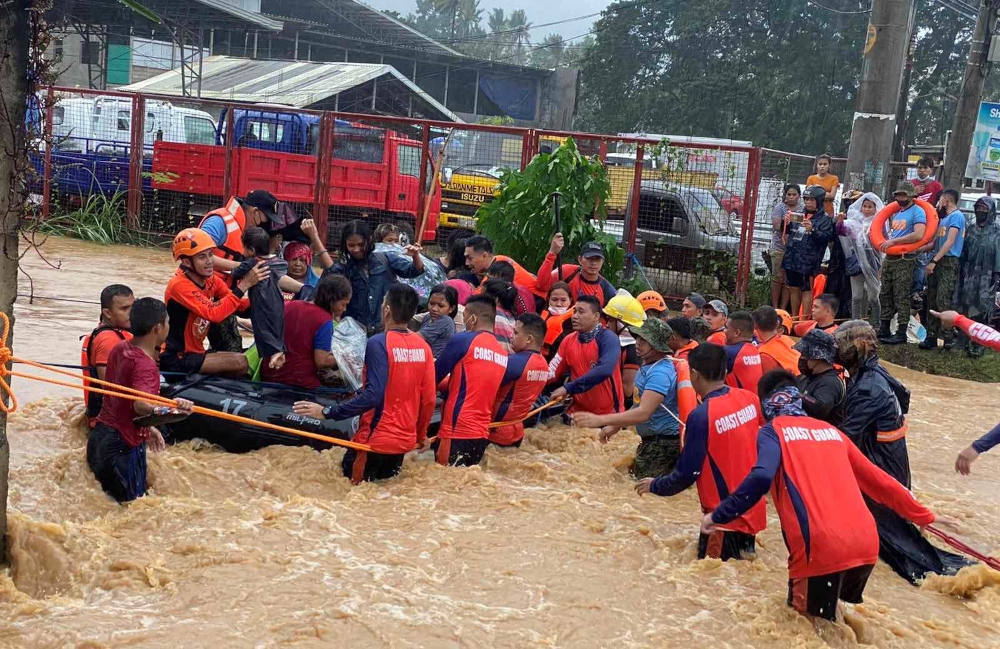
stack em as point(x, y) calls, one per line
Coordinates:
point(13, 160)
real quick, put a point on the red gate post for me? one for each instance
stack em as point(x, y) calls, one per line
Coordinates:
point(633, 221)
point(750, 195)
point(423, 196)
point(324, 174)
point(50, 98)
point(133, 203)
point(227, 175)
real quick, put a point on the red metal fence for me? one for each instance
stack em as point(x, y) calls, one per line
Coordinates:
point(694, 216)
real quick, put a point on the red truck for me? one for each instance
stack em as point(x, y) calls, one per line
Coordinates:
point(374, 173)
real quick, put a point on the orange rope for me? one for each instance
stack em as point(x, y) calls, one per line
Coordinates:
point(124, 392)
point(498, 424)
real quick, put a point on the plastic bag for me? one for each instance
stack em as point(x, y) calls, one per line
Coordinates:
point(348, 347)
point(432, 276)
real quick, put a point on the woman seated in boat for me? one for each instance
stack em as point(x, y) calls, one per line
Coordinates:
point(308, 332)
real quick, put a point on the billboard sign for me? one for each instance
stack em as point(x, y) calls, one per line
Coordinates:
point(984, 156)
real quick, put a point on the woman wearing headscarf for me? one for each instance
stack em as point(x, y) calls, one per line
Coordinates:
point(875, 420)
point(979, 267)
point(862, 262)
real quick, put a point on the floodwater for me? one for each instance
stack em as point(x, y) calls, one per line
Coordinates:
point(546, 545)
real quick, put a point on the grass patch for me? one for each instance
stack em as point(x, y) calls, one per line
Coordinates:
point(952, 363)
point(100, 219)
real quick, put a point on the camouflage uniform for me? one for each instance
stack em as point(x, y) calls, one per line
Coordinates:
point(940, 290)
point(897, 279)
point(656, 455)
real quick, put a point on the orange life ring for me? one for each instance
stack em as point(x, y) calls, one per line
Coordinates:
point(877, 232)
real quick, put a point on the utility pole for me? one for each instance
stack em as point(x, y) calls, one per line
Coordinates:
point(874, 125)
point(903, 107)
point(957, 156)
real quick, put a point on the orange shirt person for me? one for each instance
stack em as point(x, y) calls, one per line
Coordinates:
point(680, 341)
point(775, 349)
point(826, 180)
point(196, 297)
point(716, 313)
point(116, 306)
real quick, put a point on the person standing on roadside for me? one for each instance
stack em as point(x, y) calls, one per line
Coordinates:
point(979, 268)
point(942, 269)
point(791, 201)
point(806, 244)
point(907, 227)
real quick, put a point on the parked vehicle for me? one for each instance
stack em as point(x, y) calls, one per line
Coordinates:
point(91, 139)
point(729, 201)
point(374, 172)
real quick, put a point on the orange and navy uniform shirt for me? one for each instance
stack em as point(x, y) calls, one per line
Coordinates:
point(476, 362)
point(192, 308)
point(522, 276)
point(523, 382)
point(743, 367)
point(593, 362)
point(816, 477)
point(717, 337)
point(397, 399)
point(720, 448)
point(981, 334)
point(777, 354)
point(602, 289)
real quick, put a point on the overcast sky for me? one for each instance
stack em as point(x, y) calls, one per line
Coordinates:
point(538, 11)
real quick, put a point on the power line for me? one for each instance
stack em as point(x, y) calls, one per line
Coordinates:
point(839, 11)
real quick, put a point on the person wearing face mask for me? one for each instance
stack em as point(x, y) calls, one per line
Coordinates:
point(656, 418)
point(823, 390)
point(942, 270)
point(557, 317)
point(862, 262)
point(875, 421)
point(907, 227)
point(979, 268)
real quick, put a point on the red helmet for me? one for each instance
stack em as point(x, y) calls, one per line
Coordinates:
point(190, 241)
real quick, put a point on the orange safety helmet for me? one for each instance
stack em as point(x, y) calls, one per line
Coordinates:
point(652, 300)
point(190, 241)
point(785, 320)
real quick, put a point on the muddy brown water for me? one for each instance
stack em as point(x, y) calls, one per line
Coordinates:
point(546, 545)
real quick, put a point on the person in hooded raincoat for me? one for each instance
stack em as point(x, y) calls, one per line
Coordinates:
point(979, 268)
point(875, 420)
point(862, 262)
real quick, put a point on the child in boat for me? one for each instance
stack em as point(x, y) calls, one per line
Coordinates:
point(267, 305)
point(439, 327)
point(116, 447)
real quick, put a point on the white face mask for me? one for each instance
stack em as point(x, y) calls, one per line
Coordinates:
point(558, 310)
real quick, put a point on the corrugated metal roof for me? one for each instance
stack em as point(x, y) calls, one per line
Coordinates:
point(244, 14)
point(295, 83)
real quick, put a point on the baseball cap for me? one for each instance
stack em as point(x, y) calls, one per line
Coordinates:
point(698, 300)
point(264, 201)
point(905, 187)
point(719, 307)
point(592, 249)
point(817, 345)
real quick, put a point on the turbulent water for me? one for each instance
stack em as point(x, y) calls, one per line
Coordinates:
point(546, 545)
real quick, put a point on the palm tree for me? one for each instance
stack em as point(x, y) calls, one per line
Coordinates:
point(520, 33)
point(497, 23)
point(469, 15)
point(448, 7)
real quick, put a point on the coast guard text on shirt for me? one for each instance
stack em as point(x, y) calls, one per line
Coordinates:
point(408, 355)
point(797, 433)
point(736, 419)
point(484, 354)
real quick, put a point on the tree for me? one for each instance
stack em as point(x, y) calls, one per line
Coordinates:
point(549, 53)
point(781, 74)
point(497, 23)
point(520, 33)
point(13, 162)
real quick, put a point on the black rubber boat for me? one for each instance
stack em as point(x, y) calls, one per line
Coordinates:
point(269, 402)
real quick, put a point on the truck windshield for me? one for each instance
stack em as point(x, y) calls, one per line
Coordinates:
point(482, 151)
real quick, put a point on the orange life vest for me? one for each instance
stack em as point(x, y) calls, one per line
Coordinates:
point(236, 222)
point(93, 400)
point(779, 349)
point(687, 398)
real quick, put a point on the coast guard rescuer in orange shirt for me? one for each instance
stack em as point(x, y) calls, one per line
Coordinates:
point(476, 362)
point(196, 298)
point(397, 400)
point(817, 479)
point(526, 376)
